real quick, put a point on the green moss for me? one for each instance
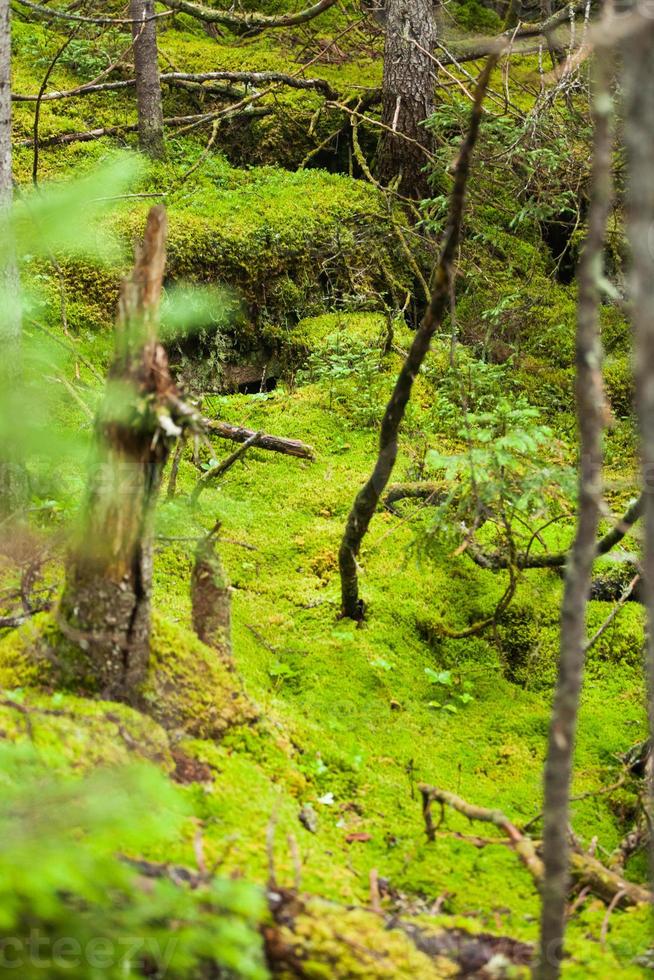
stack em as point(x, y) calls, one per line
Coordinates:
point(74, 734)
point(21, 660)
point(334, 942)
point(313, 332)
point(620, 385)
point(473, 16)
point(189, 689)
point(301, 254)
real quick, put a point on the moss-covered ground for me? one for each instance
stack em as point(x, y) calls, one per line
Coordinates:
point(338, 718)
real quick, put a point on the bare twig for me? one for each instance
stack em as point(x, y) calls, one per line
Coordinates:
point(226, 464)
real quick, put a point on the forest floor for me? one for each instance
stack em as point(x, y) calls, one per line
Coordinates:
point(349, 720)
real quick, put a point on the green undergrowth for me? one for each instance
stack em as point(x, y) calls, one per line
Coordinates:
point(347, 727)
point(320, 717)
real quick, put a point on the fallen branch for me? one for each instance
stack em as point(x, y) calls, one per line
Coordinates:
point(431, 493)
point(275, 444)
point(558, 559)
point(520, 843)
point(226, 464)
point(505, 43)
point(81, 19)
point(584, 869)
point(173, 122)
point(250, 23)
point(246, 77)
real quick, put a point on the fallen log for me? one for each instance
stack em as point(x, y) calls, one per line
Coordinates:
point(431, 493)
point(275, 444)
point(584, 869)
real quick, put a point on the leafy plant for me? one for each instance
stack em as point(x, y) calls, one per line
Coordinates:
point(281, 672)
point(453, 691)
point(349, 370)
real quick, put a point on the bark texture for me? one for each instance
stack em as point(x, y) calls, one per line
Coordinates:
point(368, 497)
point(105, 608)
point(210, 598)
point(408, 94)
point(639, 138)
point(590, 416)
point(13, 479)
point(148, 84)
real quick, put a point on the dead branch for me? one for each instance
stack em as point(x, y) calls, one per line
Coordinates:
point(558, 559)
point(196, 79)
point(584, 869)
point(431, 493)
point(505, 43)
point(521, 844)
point(173, 122)
point(53, 14)
point(275, 444)
point(226, 464)
point(248, 23)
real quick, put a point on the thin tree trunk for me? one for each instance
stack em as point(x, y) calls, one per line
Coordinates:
point(590, 415)
point(105, 609)
point(148, 84)
point(13, 480)
point(368, 498)
point(408, 94)
point(639, 138)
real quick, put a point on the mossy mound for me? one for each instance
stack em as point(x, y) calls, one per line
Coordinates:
point(528, 640)
point(281, 246)
point(314, 332)
point(189, 689)
point(72, 733)
point(329, 941)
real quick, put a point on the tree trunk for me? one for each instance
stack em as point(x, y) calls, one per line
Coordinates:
point(590, 416)
point(105, 609)
point(408, 94)
point(5, 106)
point(13, 479)
point(148, 84)
point(211, 599)
point(368, 497)
point(639, 138)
